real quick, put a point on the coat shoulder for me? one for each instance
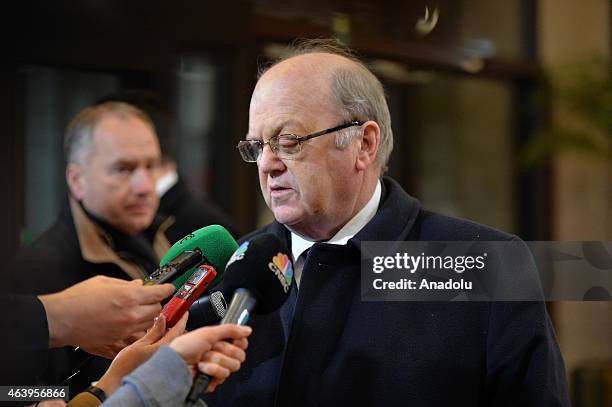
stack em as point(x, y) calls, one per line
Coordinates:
point(270, 228)
point(435, 226)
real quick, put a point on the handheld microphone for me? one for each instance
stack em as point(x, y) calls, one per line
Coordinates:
point(260, 273)
point(176, 266)
point(188, 293)
point(211, 245)
point(207, 310)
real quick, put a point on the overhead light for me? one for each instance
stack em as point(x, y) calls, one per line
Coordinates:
point(427, 23)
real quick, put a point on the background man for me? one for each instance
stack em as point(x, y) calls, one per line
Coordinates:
point(327, 347)
point(180, 211)
point(112, 161)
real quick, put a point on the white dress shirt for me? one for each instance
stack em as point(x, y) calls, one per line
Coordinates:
point(299, 244)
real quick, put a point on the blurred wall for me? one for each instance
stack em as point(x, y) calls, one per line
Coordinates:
point(582, 186)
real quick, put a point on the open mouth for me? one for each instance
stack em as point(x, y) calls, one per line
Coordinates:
point(277, 191)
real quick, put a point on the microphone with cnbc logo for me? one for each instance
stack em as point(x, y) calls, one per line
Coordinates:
point(259, 274)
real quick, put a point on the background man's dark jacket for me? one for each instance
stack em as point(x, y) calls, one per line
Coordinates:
point(338, 350)
point(186, 213)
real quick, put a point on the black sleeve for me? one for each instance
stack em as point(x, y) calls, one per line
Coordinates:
point(24, 339)
point(524, 364)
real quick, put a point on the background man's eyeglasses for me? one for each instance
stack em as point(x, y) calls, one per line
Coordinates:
point(283, 145)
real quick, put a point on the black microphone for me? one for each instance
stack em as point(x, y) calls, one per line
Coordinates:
point(259, 273)
point(207, 310)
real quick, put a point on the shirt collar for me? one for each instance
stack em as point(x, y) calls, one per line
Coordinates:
point(299, 245)
point(165, 182)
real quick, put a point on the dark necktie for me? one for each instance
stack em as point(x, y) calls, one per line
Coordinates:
point(288, 308)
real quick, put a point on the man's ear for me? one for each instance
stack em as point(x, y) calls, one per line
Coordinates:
point(368, 145)
point(74, 179)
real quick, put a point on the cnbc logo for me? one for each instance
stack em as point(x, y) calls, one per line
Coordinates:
point(281, 267)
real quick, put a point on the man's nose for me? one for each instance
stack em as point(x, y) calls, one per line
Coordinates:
point(269, 162)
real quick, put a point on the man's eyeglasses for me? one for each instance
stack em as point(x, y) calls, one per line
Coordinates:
point(285, 146)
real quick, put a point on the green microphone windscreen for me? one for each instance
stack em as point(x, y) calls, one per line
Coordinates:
point(216, 245)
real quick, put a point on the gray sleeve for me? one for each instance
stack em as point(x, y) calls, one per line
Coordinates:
point(164, 380)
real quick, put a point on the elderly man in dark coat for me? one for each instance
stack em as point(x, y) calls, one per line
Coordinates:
point(319, 132)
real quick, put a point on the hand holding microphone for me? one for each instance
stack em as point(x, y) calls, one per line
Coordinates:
point(207, 351)
point(139, 352)
point(201, 350)
point(101, 311)
point(102, 315)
